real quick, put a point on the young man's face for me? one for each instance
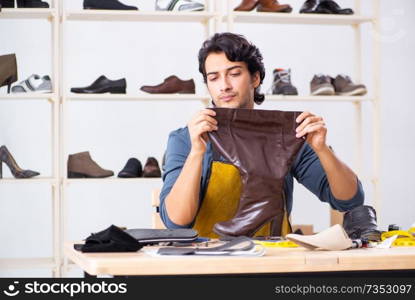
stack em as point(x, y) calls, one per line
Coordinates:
point(229, 83)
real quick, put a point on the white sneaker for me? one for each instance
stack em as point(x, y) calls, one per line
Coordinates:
point(178, 5)
point(34, 84)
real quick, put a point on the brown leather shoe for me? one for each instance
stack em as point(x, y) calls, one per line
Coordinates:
point(81, 165)
point(151, 168)
point(246, 5)
point(171, 85)
point(273, 6)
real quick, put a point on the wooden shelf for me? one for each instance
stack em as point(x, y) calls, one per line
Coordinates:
point(29, 180)
point(143, 97)
point(27, 13)
point(318, 98)
point(138, 16)
point(296, 18)
point(113, 180)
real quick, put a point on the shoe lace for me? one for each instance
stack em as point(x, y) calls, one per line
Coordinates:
point(284, 76)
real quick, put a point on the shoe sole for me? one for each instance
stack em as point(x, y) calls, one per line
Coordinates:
point(356, 92)
point(323, 91)
point(81, 175)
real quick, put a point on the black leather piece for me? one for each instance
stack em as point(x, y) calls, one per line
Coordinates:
point(32, 4)
point(107, 4)
point(360, 222)
point(132, 169)
point(147, 236)
point(309, 6)
point(103, 85)
point(331, 7)
point(112, 239)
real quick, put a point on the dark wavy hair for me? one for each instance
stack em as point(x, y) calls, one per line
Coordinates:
point(236, 48)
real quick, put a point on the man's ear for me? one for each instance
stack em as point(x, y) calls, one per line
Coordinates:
point(256, 79)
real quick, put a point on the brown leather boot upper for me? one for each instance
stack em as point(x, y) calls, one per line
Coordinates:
point(273, 6)
point(171, 85)
point(82, 165)
point(246, 5)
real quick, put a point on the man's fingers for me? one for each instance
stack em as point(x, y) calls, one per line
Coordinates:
point(302, 116)
point(307, 121)
point(202, 118)
point(311, 128)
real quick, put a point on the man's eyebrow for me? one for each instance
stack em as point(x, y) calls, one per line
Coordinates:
point(228, 69)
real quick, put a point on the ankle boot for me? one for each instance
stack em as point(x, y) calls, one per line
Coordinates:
point(246, 5)
point(262, 145)
point(7, 158)
point(81, 165)
point(273, 6)
point(8, 70)
point(360, 222)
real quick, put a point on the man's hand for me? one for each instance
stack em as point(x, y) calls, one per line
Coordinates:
point(199, 125)
point(314, 128)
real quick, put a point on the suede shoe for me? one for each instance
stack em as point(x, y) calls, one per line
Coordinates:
point(151, 168)
point(81, 165)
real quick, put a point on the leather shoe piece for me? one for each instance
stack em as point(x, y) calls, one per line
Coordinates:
point(103, 85)
point(151, 168)
point(246, 5)
point(331, 7)
point(132, 169)
point(344, 86)
point(171, 85)
point(309, 6)
point(81, 165)
point(107, 4)
point(360, 222)
point(273, 6)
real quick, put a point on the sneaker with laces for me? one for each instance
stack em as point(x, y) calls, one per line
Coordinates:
point(344, 86)
point(281, 84)
point(179, 5)
point(321, 85)
point(34, 84)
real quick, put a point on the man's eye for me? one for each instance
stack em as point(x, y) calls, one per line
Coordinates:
point(236, 74)
point(212, 78)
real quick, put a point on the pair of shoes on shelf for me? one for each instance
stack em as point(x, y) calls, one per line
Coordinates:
point(8, 70)
point(263, 6)
point(134, 169)
point(281, 84)
point(7, 158)
point(324, 7)
point(171, 84)
point(107, 4)
point(178, 5)
point(24, 4)
point(34, 84)
point(341, 85)
point(81, 165)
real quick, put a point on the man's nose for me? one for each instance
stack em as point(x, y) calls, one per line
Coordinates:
point(225, 84)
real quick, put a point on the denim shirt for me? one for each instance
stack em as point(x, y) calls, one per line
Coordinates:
point(306, 169)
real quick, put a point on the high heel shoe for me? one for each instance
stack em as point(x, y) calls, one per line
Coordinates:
point(7, 158)
point(8, 70)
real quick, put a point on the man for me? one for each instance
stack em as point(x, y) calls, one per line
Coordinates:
point(194, 179)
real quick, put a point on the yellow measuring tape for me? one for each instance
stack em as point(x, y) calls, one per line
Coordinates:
point(282, 244)
point(404, 239)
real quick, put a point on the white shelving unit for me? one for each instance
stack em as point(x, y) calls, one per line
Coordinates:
point(212, 18)
point(52, 16)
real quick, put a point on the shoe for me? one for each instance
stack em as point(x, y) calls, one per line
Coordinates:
point(360, 222)
point(34, 84)
point(282, 83)
point(151, 168)
point(344, 86)
point(262, 176)
point(81, 165)
point(331, 7)
point(107, 4)
point(103, 85)
point(132, 169)
point(246, 5)
point(321, 85)
point(273, 6)
point(32, 4)
point(309, 6)
point(171, 85)
point(8, 70)
point(7, 3)
point(178, 5)
point(7, 158)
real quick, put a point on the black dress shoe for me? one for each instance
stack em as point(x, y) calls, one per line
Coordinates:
point(309, 6)
point(32, 4)
point(107, 4)
point(331, 7)
point(132, 169)
point(103, 85)
point(151, 168)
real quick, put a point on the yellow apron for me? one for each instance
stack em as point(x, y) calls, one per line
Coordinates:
point(221, 202)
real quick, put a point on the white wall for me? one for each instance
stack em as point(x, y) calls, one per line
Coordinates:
point(146, 53)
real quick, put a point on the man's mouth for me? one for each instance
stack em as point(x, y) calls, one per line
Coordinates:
point(227, 98)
